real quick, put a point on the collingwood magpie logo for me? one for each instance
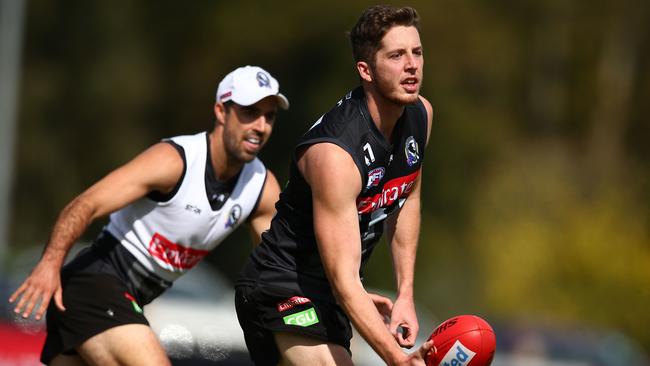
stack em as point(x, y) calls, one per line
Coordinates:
point(263, 80)
point(411, 151)
point(234, 216)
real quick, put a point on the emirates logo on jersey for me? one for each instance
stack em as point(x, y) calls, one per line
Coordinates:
point(392, 191)
point(175, 255)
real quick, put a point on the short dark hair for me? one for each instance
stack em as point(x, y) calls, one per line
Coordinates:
point(373, 25)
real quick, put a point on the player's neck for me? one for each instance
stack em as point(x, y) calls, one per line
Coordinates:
point(384, 112)
point(223, 167)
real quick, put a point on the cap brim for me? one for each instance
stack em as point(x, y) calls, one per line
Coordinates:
point(283, 102)
point(247, 100)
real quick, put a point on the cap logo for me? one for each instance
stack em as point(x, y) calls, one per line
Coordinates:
point(263, 80)
point(225, 95)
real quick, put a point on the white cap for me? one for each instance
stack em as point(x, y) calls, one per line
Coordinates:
point(248, 85)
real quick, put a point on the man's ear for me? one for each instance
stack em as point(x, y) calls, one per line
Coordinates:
point(364, 71)
point(220, 113)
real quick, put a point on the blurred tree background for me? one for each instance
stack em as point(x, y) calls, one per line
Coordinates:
point(537, 176)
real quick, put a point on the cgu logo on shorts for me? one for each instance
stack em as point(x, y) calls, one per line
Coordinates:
point(175, 255)
point(302, 319)
point(291, 302)
point(458, 355)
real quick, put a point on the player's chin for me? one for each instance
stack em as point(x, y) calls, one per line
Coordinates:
point(406, 98)
point(247, 156)
point(407, 95)
point(249, 153)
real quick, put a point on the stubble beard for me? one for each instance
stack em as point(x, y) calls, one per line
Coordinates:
point(393, 94)
point(235, 153)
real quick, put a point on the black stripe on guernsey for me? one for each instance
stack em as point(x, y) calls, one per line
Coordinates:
point(259, 197)
point(217, 190)
point(164, 197)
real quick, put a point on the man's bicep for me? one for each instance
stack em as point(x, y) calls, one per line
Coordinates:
point(335, 184)
point(332, 176)
point(157, 168)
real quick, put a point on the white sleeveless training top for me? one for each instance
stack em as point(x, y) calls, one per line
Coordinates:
point(168, 238)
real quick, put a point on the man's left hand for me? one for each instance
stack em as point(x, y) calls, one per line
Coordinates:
point(404, 323)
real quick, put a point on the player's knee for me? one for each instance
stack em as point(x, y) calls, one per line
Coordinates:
point(303, 350)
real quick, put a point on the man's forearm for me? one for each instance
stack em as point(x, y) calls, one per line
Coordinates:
point(403, 253)
point(70, 225)
point(362, 312)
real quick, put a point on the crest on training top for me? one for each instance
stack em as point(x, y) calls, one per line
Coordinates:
point(234, 216)
point(411, 150)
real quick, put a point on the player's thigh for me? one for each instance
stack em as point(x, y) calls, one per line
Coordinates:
point(297, 349)
point(67, 360)
point(132, 344)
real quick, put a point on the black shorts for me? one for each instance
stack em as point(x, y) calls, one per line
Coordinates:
point(93, 303)
point(103, 287)
point(263, 311)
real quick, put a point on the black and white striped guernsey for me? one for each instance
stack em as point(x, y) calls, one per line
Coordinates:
point(170, 236)
point(288, 256)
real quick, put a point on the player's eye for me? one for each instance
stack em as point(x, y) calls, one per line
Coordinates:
point(270, 117)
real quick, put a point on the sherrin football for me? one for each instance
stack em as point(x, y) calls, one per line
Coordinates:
point(464, 340)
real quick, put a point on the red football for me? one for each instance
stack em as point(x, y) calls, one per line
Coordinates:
point(464, 340)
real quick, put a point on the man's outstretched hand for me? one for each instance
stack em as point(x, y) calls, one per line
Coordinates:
point(42, 284)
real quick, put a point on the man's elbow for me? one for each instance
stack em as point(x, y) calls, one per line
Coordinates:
point(345, 284)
